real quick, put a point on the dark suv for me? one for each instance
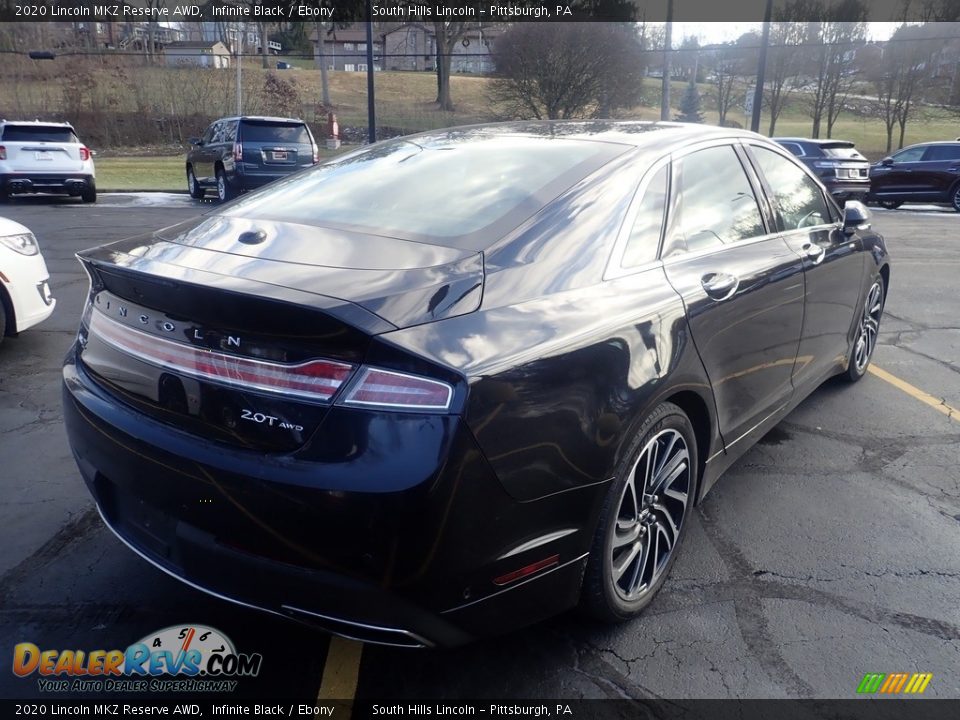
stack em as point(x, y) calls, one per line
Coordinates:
point(843, 170)
point(242, 153)
point(929, 173)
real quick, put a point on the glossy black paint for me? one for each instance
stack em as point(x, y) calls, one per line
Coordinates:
point(927, 172)
point(393, 525)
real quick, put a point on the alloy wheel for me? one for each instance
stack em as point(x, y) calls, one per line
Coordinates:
point(869, 327)
point(221, 187)
point(956, 198)
point(652, 509)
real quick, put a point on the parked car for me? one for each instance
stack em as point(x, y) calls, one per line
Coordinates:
point(242, 153)
point(837, 163)
point(25, 297)
point(927, 173)
point(454, 383)
point(45, 157)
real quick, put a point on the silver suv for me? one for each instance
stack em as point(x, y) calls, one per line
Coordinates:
point(44, 157)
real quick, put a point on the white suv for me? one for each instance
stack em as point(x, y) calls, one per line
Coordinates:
point(44, 157)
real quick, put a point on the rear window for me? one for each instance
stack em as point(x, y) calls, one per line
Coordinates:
point(842, 150)
point(39, 133)
point(274, 132)
point(466, 192)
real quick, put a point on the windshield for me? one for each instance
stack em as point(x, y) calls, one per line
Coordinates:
point(39, 133)
point(274, 132)
point(463, 192)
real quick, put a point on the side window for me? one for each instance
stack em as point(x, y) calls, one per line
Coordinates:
point(230, 131)
point(714, 203)
point(208, 135)
point(644, 240)
point(943, 152)
point(793, 148)
point(218, 132)
point(798, 196)
point(914, 154)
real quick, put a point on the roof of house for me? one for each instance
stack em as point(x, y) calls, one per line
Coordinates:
point(194, 45)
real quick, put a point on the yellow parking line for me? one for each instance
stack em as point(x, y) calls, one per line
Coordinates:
point(341, 671)
point(936, 403)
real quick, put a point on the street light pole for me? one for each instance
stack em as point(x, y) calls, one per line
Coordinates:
point(239, 45)
point(665, 80)
point(761, 70)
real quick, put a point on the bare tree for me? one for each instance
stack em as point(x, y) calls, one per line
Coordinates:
point(783, 67)
point(831, 40)
point(726, 66)
point(900, 77)
point(567, 70)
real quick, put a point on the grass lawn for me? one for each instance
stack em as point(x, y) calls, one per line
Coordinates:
point(141, 173)
point(154, 173)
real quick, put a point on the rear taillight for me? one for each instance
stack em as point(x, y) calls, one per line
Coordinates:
point(316, 154)
point(84, 154)
point(316, 380)
point(388, 389)
point(3, 153)
point(237, 152)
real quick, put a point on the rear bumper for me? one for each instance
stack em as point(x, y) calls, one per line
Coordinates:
point(848, 189)
point(249, 179)
point(409, 568)
point(30, 182)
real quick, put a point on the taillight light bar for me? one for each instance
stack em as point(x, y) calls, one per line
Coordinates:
point(375, 387)
point(238, 152)
point(316, 380)
point(3, 153)
point(84, 154)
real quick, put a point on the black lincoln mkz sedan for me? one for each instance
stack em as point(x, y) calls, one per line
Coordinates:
point(454, 383)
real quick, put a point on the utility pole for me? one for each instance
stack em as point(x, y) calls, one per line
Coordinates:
point(371, 104)
point(239, 45)
point(761, 69)
point(665, 81)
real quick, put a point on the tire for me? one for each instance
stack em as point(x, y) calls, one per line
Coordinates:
point(955, 197)
point(867, 331)
point(89, 193)
point(224, 191)
point(196, 192)
point(637, 538)
point(890, 204)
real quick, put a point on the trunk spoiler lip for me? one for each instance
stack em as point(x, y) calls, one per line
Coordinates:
point(105, 259)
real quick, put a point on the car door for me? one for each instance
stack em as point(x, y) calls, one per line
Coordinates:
point(741, 285)
point(899, 180)
point(833, 262)
point(940, 170)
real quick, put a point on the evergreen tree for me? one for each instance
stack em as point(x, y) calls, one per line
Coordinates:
point(690, 104)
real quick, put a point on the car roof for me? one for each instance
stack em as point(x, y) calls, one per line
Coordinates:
point(931, 142)
point(261, 118)
point(658, 135)
point(813, 141)
point(36, 122)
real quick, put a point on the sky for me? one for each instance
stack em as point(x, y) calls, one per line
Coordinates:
point(711, 32)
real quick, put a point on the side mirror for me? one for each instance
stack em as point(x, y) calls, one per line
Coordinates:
point(855, 217)
point(887, 161)
point(195, 141)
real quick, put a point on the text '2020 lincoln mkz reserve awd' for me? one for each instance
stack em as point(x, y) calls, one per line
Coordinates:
point(454, 383)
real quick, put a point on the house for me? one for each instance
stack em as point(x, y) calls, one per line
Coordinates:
point(346, 48)
point(202, 53)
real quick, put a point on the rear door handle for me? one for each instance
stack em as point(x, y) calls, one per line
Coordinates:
point(720, 286)
point(814, 253)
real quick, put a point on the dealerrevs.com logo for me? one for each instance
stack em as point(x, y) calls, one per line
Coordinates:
point(180, 658)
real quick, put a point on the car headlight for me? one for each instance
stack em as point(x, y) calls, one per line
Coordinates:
point(24, 243)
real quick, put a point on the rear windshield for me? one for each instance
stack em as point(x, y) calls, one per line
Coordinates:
point(274, 132)
point(39, 133)
point(842, 150)
point(466, 192)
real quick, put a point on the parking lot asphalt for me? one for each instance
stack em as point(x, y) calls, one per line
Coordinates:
point(830, 550)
